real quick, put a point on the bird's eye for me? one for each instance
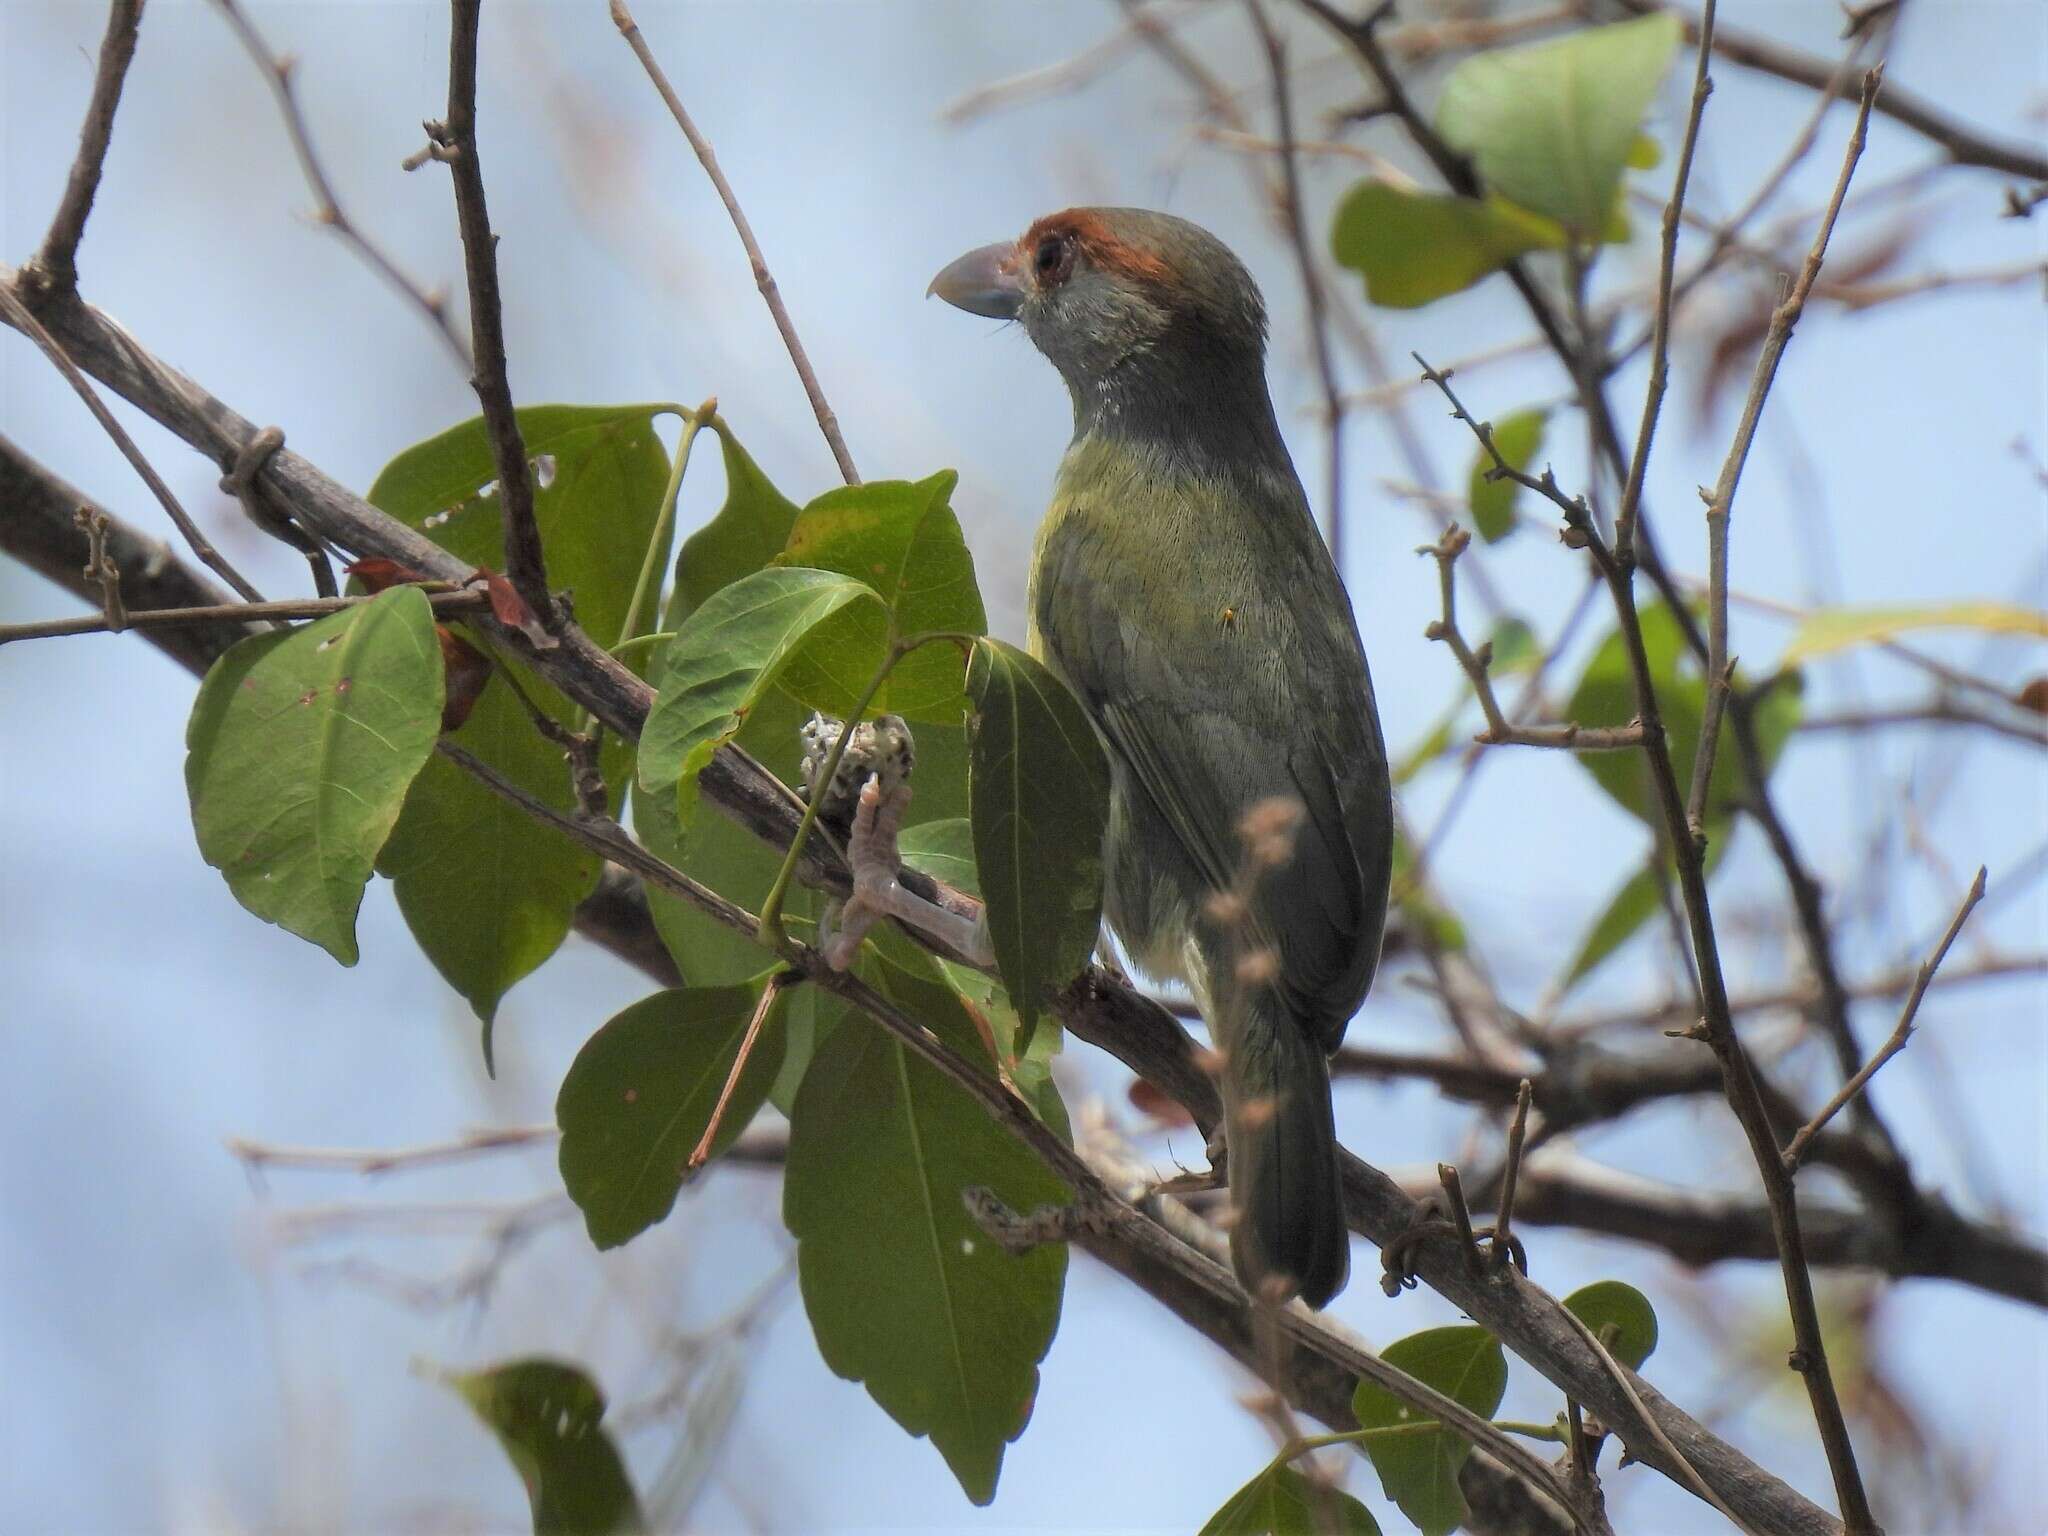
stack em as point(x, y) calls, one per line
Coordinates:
point(1052, 257)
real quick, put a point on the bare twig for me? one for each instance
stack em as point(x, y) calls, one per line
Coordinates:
point(1964, 144)
point(258, 1156)
point(1518, 1129)
point(1739, 1078)
point(763, 279)
point(280, 70)
point(1499, 730)
point(525, 560)
point(1795, 1149)
point(1295, 218)
point(99, 568)
point(1660, 327)
point(1721, 505)
point(224, 613)
point(18, 315)
point(55, 267)
point(773, 989)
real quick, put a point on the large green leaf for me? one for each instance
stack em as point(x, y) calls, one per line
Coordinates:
point(549, 1418)
point(902, 539)
point(299, 752)
point(1840, 629)
point(1420, 1470)
point(729, 655)
point(1413, 247)
point(1626, 1311)
point(1038, 796)
point(905, 1293)
point(1519, 438)
point(1282, 1502)
point(487, 893)
point(1551, 126)
point(1639, 898)
point(748, 532)
point(640, 1094)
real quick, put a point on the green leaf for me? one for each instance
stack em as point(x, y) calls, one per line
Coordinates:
point(1840, 629)
point(1435, 742)
point(298, 753)
point(748, 532)
point(1626, 911)
point(1551, 126)
point(640, 1093)
point(1282, 1502)
point(1435, 924)
point(599, 475)
point(905, 1293)
point(1420, 1471)
point(903, 540)
point(1606, 695)
point(1520, 439)
point(1414, 247)
point(728, 656)
point(1611, 1304)
point(1038, 795)
point(488, 894)
point(1514, 647)
point(549, 1418)
point(945, 851)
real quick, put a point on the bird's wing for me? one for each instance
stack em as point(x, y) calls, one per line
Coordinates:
point(1209, 717)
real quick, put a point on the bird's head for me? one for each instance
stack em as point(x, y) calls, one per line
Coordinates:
point(1116, 297)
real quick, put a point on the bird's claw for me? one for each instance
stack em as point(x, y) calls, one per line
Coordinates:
point(871, 849)
point(1397, 1259)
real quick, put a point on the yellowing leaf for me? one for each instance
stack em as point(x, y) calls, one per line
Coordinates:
point(1413, 247)
point(1841, 629)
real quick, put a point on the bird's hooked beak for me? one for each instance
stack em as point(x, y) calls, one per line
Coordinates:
point(988, 282)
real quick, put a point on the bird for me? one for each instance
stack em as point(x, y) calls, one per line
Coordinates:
point(1181, 589)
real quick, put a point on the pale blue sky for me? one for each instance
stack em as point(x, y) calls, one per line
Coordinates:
point(167, 1366)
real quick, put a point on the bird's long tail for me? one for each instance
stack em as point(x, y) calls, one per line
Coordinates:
point(1289, 1237)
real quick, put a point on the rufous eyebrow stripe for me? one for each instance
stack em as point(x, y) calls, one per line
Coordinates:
point(1103, 249)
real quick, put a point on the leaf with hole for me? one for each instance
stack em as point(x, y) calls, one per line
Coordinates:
point(1414, 247)
point(1419, 1466)
point(1038, 797)
point(639, 1096)
point(905, 1293)
point(1552, 126)
point(299, 752)
point(1282, 1502)
point(549, 1417)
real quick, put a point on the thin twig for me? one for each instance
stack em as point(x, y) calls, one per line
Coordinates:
point(1499, 729)
point(100, 568)
point(258, 1156)
point(1294, 217)
point(773, 989)
point(1795, 1150)
point(1739, 1078)
point(19, 316)
point(55, 268)
point(1461, 1212)
point(1964, 144)
point(763, 279)
point(224, 613)
point(1518, 1130)
point(1722, 503)
point(1660, 328)
point(525, 561)
point(280, 70)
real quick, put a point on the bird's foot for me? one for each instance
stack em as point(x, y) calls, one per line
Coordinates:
point(878, 893)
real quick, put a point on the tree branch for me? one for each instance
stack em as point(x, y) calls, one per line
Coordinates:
point(1096, 1008)
point(55, 267)
point(525, 561)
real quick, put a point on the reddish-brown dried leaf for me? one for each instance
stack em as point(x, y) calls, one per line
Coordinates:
point(468, 670)
point(378, 574)
point(1149, 1099)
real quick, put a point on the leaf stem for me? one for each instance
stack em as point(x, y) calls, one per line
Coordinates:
point(693, 422)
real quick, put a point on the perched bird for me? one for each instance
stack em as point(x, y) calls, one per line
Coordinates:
point(1181, 589)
